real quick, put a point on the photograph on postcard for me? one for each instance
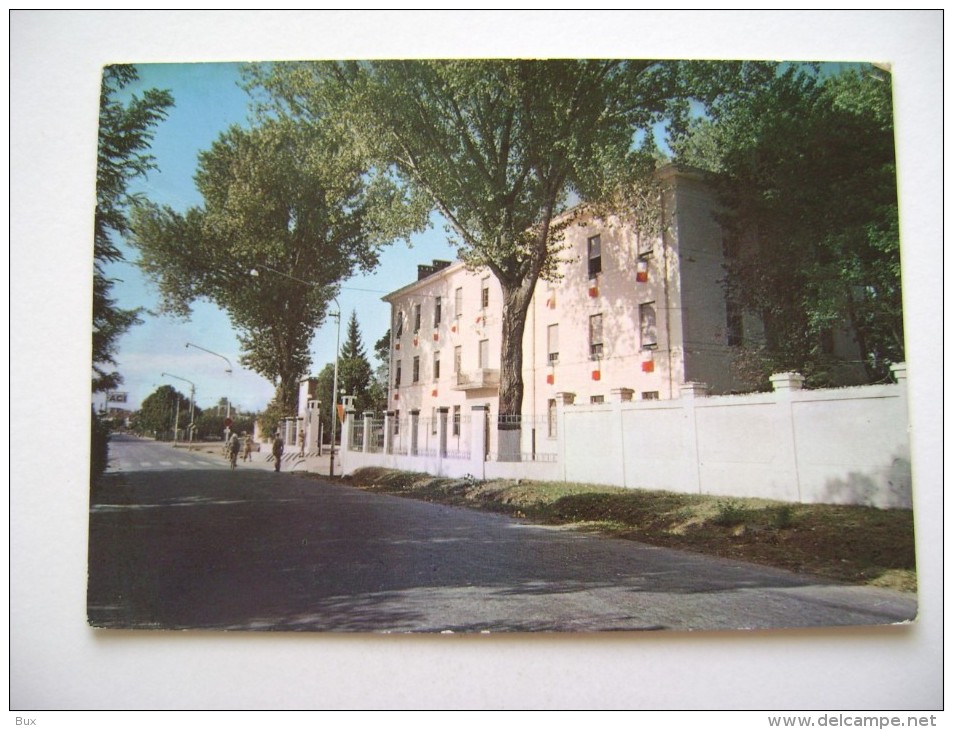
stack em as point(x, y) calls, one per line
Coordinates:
point(498, 345)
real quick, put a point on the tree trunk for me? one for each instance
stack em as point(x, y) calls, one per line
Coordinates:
point(286, 394)
point(516, 302)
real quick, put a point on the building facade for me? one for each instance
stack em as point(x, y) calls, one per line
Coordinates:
point(630, 315)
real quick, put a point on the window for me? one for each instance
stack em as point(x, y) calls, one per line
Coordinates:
point(437, 311)
point(399, 325)
point(458, 302)
point(484, 353)
point(433, 420)
point(647, 328)
point(396, 423)
point(650, 395)
point(416, 318)
point(457, 358)
point(485, 293)
point(416, 369)
point(551, 418)
point(597, 399)
point(595, 256)
point(456, 420)
point(552, 342)
point(397, 374)
point(595, 336)
point(436, 365)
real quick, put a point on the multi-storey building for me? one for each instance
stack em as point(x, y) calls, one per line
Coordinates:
point(630, 315)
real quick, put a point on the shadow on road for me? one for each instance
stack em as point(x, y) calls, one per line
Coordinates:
point(253, 550)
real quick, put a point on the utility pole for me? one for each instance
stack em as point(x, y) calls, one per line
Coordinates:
point(191, 405)
point(228, 370)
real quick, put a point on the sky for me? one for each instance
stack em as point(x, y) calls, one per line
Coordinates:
point(208, 99)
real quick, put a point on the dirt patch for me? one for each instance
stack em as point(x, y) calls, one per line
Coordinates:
point(859, 545)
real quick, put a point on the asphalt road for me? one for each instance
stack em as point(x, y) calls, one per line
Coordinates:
point(178, 540)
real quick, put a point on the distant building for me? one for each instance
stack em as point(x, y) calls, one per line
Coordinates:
point(629, 313)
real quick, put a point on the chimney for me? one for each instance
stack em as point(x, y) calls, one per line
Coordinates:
point(425, 270)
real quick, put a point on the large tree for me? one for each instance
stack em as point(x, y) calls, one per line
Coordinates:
point(497, 147)
point(287, 216)
point(807, 178)
point(157, 414)
point(126, 130)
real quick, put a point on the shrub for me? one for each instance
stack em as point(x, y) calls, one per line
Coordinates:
point(99, 446)
point(784, 517)
point(730, 514)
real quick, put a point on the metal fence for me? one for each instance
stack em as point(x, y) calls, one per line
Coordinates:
point(376, 441)
point(420, 435)
point(537, 437)
point(355, 434)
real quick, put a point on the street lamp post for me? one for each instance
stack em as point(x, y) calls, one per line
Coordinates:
point(337, 350)
point(228, 371)
point(175, 431)
point(191, 404)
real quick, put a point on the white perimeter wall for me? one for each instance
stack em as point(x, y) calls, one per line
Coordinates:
point(839, 446)
point(843, 446)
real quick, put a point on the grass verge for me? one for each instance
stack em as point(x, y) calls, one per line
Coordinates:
point(852, 544)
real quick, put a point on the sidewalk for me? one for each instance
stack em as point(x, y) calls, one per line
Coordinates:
point(291, 461)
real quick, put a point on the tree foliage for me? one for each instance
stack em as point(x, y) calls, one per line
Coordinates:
point(380, 376)
point(354, 370)
point(497, 147)
point(126, 131)
point(324, 389)
point(156, 415)
point(99, 446)
point(287, 201)
point(210, 424)
point(355, 377)
point(807, 177)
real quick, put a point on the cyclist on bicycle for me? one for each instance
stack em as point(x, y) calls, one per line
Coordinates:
point(234, 446)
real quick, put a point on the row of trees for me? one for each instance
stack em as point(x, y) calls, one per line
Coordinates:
point(349, 156)
point(166, 407)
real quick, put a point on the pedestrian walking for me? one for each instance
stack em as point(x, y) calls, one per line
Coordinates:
point(234, 446)
point(278, 449)
point(249, 442)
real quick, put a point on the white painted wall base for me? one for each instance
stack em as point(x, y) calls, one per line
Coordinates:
point(839, 446)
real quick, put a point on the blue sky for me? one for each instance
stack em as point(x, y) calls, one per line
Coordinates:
point(208, 100)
